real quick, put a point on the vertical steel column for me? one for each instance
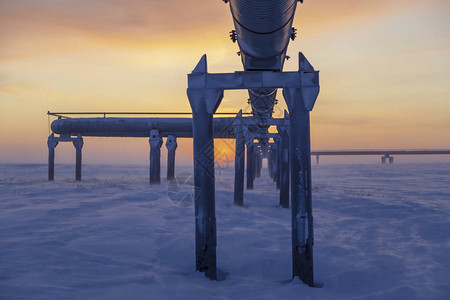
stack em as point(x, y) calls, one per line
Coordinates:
point(302, 223)
point(279, 151)
point(51, 143)
point(171, 145)
point(254, 165)
point(300, 101)
point(275, 160)
point(250, 163)
point(239, 161)
point(204, 102)
point(284, 165)
point(258, 164)
point(155, 142)
point(78, 144)
point(269, 163)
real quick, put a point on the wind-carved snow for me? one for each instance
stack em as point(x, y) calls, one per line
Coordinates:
point(381, 232)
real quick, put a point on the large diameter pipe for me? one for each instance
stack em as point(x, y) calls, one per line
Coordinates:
point(263, 30)
point(137, 127)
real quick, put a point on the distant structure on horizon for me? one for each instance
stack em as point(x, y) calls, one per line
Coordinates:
point(387, 155)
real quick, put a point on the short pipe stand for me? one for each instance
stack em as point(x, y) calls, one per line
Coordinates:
point(155, 142)
point(171, 145)
point(52, 142)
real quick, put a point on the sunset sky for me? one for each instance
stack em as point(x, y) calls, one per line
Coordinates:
point(384, 69)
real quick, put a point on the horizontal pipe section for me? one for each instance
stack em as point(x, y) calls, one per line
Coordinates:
point(263, 31)
point(137, 127)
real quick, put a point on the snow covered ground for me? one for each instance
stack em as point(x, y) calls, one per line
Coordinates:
point(381, 232)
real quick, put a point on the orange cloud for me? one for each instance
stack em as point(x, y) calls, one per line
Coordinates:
point(330, 15)
point(55, 26)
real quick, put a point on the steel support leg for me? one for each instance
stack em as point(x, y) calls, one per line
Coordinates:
point(52, 143)
point(78, 144)
point(171, 145)
point(279, 153)
point(250, 165)
point(275, 162)
point(301, 201)
point(155, 142)
point(284, 166)
point(254, 165)
point(259, 165)
point(239, 163)
point(269, 164)
point(204, 103)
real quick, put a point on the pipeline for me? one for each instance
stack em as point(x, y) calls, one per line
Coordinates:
point(263, 30)
point(137, 127)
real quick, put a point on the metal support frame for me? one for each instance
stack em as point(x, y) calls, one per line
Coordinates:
point(171, 145)
point(205, 92)
point(258, 164)
point(78, 144)
point(249, 136)
point(275, 159)
point(255, 162)
point(204, 102)
point(250, 164)
point(284, 163)
point(155, 142)
point(270, 162)
point(239, 161)
point(300, 102)
point(387, 157)
point(52, 142)
point(278, 170)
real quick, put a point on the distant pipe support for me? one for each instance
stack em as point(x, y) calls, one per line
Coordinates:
point(279, 166)
point(250, 165)
point(239, 161)
point(284, 166)
point(51, 143)
point(255, 162)
point(279, 153)
point(78, 144)
point(171, 145)
point(155, 142)
point(258, 165)
point(275, 160)
point(269, 163)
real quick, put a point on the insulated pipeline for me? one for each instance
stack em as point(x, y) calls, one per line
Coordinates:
point(263, 30)
point(137, 127)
